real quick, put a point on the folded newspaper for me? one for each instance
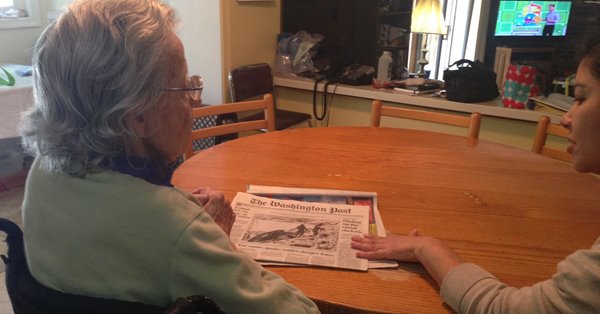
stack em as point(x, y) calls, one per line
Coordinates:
point(326, 196)
point(376, 227)
point(299, 232)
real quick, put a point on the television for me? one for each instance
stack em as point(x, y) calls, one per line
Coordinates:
point(528, 18)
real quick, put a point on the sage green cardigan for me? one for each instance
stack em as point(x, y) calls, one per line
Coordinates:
point(112, 235)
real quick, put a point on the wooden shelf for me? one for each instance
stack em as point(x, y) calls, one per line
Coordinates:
point(394, 13)
point(394, 47)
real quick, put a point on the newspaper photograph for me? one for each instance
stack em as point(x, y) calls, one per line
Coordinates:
point(376, 226)
point(297, 232)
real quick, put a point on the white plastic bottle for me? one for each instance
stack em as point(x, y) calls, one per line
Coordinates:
point(384, 67)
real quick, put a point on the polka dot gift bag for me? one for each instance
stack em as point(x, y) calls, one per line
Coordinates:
point(522, 81)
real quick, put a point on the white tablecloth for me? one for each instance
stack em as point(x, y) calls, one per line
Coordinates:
point(14, 100)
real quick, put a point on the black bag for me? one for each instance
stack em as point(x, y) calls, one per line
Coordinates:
point(471, 82)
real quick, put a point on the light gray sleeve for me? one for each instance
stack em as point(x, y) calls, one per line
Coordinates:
point(573, 289)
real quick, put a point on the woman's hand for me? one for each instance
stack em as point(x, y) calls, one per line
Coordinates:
point(394, 247)
point(434, 254)
point(217, 207)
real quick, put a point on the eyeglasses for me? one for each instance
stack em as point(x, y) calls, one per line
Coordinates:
point(193, 87)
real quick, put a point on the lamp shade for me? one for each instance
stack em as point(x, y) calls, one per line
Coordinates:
point(427, 17)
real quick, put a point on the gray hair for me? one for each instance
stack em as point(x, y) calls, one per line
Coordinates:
point(99, 62)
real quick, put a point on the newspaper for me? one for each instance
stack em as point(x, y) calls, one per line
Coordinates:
point(298, 232)
point(326, 196)
point(376, 227)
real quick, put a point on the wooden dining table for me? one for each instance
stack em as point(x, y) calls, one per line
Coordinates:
point(513, 212)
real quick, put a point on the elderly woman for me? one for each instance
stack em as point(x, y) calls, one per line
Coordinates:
point(101, 218)
point(467, 288)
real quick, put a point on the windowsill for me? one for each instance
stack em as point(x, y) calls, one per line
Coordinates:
point(32, 7)
point(491, 108)
point(26, 22)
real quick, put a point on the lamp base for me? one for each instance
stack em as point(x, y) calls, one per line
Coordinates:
point(423, 61)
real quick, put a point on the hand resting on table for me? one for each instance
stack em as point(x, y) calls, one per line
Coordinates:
point(217, 207)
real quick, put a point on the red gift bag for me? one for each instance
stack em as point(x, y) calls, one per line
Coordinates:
point(522, 82)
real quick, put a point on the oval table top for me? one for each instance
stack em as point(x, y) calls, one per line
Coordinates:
point(513, 212)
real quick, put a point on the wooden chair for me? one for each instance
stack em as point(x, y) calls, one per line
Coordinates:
point(473, 122)
point(544, 127)
point(267, 122)
point(249, 81)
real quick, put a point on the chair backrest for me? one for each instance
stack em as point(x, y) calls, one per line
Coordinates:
point(250, 81)
point(29, 296)
point(544, 127)
point(472, 122)
point(268, 122)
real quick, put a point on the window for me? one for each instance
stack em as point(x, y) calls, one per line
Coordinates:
point(464, 36)
point(32, 19)
point(466, 20)
point(6, 3)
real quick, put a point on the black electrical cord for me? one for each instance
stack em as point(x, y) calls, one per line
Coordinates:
point(325, 87)
point(317, 81)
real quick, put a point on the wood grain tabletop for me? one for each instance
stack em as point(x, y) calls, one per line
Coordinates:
point(513, 212)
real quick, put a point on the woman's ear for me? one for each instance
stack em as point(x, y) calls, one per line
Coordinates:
point(138, 124)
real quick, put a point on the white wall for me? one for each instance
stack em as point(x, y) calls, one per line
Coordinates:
point(200, 32)
point(58, 4)
point(17, 44)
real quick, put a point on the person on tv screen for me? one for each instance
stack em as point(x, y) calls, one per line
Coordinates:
point(551, 19)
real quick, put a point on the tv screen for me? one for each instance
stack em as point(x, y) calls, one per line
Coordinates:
point(532, 18)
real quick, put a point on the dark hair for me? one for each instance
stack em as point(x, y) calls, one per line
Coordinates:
point(591, 50)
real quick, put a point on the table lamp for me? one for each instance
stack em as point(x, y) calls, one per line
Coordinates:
point(427, 18)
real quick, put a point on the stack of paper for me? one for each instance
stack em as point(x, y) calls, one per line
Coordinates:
point(555, 103)
point(420, 86)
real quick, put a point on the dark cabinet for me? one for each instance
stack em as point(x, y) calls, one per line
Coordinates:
point(393, 26)
point(355, 31)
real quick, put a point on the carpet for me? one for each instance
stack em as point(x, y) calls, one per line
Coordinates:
point(10, 207)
